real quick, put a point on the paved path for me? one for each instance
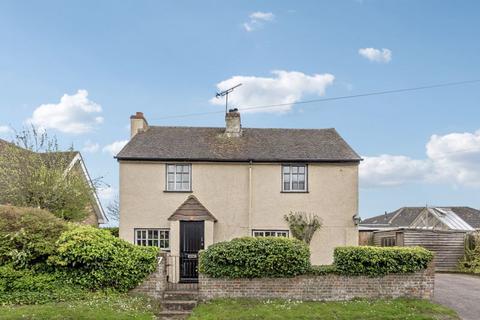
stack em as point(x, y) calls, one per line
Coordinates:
point(459, 292)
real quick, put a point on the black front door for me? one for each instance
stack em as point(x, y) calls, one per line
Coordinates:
point(191, 241)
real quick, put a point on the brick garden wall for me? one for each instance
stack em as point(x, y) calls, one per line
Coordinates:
point(315, 288)
point(306, 287)
point(155, 284)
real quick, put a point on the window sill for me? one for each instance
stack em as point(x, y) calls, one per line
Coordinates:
point(294, 191)
point(178, 191)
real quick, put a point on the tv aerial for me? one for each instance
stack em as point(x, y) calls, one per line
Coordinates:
point(225, 94)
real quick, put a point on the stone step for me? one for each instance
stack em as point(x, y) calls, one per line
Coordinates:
point(170, 315)
point(178, 305)
point(180, 295)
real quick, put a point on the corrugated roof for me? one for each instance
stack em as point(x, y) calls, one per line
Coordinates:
point(210, 144)
point(450, 219)
point(469, 215)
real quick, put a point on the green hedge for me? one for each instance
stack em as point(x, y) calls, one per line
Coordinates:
point(251, 257)
point(113, 230)
point(26, 286)
point(94, 259)
point(378, 261)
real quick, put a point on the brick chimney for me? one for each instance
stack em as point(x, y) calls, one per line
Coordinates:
point(138, 123)
point(233, 125)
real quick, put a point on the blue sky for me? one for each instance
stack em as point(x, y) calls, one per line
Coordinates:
point(169, 58)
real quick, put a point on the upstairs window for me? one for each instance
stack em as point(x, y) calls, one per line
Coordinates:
point(294, 178)
point(179, 177)
point(270, 233)
point(153, 238)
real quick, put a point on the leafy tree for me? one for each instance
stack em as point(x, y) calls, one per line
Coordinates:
point(35, 173)
point(303, 225)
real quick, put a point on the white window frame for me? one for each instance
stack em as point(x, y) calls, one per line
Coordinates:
point(290, 177)
point(178, 185)
point(146, 237)
point(270, 233)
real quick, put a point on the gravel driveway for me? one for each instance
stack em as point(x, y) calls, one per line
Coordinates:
point(459, 292)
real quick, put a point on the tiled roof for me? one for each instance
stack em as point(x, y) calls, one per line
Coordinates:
point(192, 210)
point(210, 144)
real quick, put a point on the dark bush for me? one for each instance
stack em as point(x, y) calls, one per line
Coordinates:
point(114, 231)
point(255, 258)
point(471, 259)
point(26, 286)
point(27, 235)
point(322, 270)
point(94, 259)
point(378, 261)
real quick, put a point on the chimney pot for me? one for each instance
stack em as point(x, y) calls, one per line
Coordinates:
point(233, 124)
point(138, 123)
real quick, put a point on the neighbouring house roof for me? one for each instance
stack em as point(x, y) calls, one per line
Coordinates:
point(72, 158)
point(402, 217)
point(192, 210)
point(454, 217)
point(263, 145)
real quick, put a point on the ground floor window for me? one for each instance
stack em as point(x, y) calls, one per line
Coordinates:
point(388, 241)
point(153, 237)
point(270, 233)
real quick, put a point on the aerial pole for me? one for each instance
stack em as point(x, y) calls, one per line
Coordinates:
point(225, 94)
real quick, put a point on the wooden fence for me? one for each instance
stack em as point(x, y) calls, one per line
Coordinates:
point(448, 246)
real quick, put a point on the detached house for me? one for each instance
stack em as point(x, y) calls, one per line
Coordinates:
point(73, 162)
point(185, 188)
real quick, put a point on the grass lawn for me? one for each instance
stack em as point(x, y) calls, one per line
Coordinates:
point(96, 306)
point(359, 309)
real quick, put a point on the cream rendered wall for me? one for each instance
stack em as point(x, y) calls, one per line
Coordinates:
point(223, 188)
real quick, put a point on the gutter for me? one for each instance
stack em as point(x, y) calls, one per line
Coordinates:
point(240, 160)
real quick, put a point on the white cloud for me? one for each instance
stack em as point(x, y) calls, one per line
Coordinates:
point(456, 157)
point(5, 129)
point(451, 159)
point(284, 87)
point(265, 16)
point(376, 55)
point(106, 194)
point(390, 170)
point(257, 20)
point(115, 147)
point(73, 114)
point(90, 147)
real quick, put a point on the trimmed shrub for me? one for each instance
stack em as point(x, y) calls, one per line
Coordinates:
point(28, 235)
point(379, 261)
point(322, 270)
point(94, 259)
point(114, 231)
point(251, 257)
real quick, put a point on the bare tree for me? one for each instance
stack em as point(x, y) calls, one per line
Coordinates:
point(113, 209)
